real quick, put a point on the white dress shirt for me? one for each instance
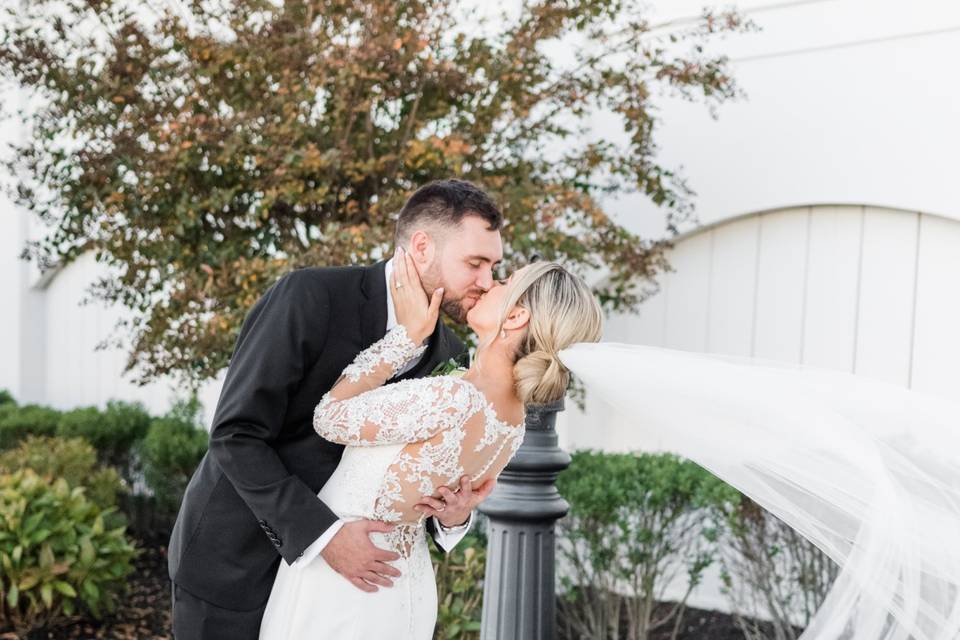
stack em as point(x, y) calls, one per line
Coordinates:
point(446, 537)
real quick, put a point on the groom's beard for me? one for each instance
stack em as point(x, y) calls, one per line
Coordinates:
point(453, 307)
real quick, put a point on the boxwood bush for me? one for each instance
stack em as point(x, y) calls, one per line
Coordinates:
point(57, 554)
point(112, 432)
point(22, 421)
point(171, 451)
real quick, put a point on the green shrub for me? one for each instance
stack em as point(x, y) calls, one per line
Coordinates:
point(72, 459)
point(772, 573)
point(81, 422)
point(22, 421)
point(635, 522)
point(171, 452)
point(112, 432)
point(460, 588)
point(6, 409)
point(6, 398)
point(57, 555)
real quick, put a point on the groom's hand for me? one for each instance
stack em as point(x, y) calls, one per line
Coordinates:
point(452, 508)
point(351, 554)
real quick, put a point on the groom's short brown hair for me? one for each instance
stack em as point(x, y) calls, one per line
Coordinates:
point(446, 202)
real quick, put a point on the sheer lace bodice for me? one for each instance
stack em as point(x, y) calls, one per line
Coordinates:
point(445, 427)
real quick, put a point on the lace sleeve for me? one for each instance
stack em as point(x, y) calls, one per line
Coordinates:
point(407, 411)
point(479, 448)
point(449, 431)
point(375, 364)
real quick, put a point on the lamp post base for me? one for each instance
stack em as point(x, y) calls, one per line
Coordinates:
point(519, 601)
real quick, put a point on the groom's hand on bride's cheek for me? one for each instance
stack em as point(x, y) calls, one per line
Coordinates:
point(452, 508)
point(351, 554)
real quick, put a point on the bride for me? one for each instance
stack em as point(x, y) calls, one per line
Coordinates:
point(407, 439)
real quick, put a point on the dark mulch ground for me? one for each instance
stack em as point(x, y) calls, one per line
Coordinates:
point(144, 613)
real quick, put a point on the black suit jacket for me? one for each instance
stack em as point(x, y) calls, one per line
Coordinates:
point(253, 498)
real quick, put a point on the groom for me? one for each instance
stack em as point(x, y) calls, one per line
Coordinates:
point(253, 498)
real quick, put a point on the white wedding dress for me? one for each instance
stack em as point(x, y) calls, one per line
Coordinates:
point(404, 440)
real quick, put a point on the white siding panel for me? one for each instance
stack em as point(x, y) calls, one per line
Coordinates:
point(77, 375)
point(732, 287)
point(936, 347)
point(617, 327)
point(781, 274)
point(687, 291)
point(832, 274)
point(885, 318)
point(648, 324)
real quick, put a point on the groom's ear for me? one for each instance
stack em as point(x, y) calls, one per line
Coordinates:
point(423, 247)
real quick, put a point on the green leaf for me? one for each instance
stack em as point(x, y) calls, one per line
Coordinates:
point(65, 588)
point(87, 553)
point(40, 535)
point(28, 581)
point(90, 589)
point(46, 557)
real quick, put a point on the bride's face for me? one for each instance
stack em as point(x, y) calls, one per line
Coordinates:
point(484, 316)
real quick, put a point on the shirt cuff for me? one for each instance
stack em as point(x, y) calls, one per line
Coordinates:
point(449, 537)
point(319, 545)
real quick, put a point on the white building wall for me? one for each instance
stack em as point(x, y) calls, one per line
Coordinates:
point(76, 373)
point(847, 101)
point(867, 290)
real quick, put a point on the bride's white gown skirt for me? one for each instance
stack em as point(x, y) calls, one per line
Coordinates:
point(315, 602)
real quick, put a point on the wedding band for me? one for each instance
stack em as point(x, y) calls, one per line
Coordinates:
point(397, 285)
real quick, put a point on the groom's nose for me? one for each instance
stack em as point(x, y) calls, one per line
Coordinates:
point(485, 280)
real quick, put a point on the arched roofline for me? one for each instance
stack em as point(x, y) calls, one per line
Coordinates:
point(760, 212)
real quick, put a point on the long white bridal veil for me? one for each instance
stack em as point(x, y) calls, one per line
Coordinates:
point(866, 470)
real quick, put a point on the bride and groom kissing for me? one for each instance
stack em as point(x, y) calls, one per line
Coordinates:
point(333, 454)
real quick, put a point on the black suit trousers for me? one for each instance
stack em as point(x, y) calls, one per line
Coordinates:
point(196, 619)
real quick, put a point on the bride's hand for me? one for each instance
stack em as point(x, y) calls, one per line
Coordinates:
point(415, 312)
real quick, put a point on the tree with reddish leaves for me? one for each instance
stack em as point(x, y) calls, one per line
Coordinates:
point(202, 148)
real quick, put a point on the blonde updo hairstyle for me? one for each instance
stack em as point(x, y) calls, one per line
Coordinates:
point(563, 311)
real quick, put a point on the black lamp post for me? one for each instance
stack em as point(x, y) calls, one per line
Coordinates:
point(518, 593)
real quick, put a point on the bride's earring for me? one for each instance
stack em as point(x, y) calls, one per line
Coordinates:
point(503, 334)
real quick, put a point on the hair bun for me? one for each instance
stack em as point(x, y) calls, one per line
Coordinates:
point(540, 377)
